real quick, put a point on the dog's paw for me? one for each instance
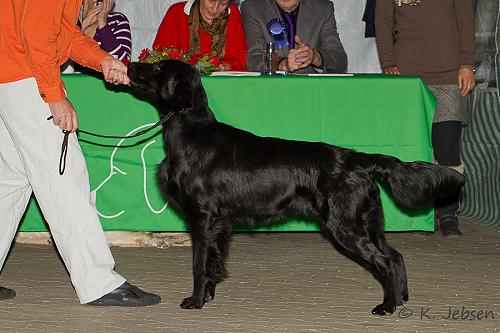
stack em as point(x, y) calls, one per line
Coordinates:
point(383, 309)
point(191, 303)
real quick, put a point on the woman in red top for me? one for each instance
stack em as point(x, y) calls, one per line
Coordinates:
point(208, 27)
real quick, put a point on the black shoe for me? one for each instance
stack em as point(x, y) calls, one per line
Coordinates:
point(6, 293)
point(127, 295)
point(448, 224)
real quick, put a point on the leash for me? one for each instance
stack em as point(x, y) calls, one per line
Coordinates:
point(64, 146)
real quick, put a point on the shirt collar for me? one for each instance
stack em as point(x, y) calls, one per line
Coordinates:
point(293, 12)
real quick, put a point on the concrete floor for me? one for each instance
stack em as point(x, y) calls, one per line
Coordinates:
point(281, 282)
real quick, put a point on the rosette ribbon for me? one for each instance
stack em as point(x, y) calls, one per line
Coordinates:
point(277, 28)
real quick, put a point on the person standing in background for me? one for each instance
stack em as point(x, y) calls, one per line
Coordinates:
point(435, 41)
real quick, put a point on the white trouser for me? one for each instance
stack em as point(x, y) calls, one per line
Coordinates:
point(30, 147)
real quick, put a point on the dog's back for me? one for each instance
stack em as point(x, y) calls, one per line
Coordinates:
point(263, 178)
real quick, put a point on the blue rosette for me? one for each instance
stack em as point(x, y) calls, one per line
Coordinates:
point(277, 29)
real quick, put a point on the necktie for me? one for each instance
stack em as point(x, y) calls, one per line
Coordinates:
point(291, 29)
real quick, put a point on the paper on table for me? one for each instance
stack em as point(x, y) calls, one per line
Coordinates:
point(235, 73)
point(330, 74)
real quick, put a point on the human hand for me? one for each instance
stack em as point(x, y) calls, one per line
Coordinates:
point(392, 70)
point(114, 71)
point(301, 56)
point(305, 53)
point(466, 80)
point(64, 115)
point(290, 63)
point(224, 67)
point(102, 17)
point(89, 21)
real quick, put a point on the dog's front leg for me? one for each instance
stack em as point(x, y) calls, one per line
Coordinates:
point(196, 300)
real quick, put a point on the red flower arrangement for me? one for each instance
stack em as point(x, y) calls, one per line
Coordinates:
point(202, 62)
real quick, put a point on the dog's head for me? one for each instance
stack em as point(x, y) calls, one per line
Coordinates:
point(173, 84)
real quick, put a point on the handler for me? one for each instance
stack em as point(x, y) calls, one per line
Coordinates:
point(36, 38)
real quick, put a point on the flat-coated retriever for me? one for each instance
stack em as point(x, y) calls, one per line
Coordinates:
point(217, 175)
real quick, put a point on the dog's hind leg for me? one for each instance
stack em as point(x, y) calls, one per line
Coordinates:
point(355, 222)
point(380, 264)
point(401, 280)
point(397, 270)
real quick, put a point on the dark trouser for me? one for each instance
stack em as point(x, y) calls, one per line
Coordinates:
point(446, 144)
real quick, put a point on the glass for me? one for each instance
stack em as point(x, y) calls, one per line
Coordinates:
point(270, 58)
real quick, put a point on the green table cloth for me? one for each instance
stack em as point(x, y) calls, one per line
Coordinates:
point(370, 113)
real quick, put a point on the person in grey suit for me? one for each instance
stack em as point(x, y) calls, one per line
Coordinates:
point(304, 30)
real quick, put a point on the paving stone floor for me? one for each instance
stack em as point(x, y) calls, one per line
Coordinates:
point(280, 282)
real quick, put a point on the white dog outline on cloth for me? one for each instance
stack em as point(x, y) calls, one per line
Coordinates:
point(114, 170)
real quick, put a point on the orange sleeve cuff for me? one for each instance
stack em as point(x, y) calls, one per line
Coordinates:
point(52, 94)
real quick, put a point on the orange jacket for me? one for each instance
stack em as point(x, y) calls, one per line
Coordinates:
point(37, 37)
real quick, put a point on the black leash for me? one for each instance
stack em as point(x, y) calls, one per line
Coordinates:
point(64, 147)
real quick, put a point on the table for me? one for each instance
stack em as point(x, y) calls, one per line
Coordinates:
point(371, 113)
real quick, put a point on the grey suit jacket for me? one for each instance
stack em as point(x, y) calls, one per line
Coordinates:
point(316, 26)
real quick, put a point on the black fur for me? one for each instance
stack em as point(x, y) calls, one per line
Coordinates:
point(217, 175)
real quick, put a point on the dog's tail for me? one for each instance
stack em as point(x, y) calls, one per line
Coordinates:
point(412, 183)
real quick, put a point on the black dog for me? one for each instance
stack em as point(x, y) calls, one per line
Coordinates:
point(217, 175)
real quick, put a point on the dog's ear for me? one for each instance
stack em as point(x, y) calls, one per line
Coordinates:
point(200, 99)
point(177, 93)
